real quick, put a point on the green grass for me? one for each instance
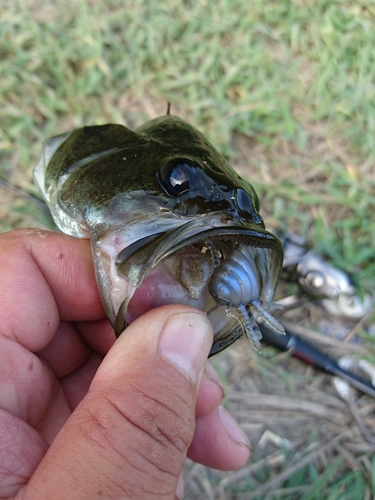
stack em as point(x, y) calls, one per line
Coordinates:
point(288, 75)
point(328, 484)
point(294, 79)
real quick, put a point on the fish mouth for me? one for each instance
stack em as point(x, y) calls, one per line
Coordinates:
point(185, 258)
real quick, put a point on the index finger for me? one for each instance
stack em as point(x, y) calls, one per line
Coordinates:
point(45, 277)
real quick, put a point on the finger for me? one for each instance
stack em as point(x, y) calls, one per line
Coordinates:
point(211, 392)
point(66, 352)
point(180, 487)
point(26, 387)
point(67, 265)
point(99, 335)
point(76, 384)
point(30, 391)
point(21, 450)
point(57, 413)
point(219, 442)
point(130, 435)
point(45, 277)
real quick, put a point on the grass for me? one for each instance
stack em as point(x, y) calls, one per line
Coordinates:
point(285, 89)
point(327, 485)
point(288, 75)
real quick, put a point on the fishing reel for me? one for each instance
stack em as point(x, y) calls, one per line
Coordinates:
point(320, 281)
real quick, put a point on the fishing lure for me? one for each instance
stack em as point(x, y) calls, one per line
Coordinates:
point(169, 222)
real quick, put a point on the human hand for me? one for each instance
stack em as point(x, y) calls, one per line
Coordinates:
point(83, 416)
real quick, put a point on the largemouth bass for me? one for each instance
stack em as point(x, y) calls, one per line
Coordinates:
point(169, 222)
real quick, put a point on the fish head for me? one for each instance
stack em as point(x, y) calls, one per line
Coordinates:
point(163, 209)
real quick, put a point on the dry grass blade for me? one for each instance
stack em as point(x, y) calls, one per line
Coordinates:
point(264, 401)
point(289, 471)
point(275, 460)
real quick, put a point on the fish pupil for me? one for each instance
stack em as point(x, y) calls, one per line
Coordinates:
point(177, 176)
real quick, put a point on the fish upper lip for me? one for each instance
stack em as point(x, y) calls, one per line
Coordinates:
point(135, 265)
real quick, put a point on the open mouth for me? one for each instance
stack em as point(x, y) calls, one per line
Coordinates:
point(227, 268)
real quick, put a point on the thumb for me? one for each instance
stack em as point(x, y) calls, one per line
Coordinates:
point(129, 437)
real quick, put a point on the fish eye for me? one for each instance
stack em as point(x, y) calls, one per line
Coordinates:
point(245, 204)
point(177, 176)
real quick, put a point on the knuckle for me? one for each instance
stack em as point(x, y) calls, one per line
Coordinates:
point(155, 421)
point(162, 415)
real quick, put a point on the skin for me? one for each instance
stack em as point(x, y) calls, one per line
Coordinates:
point(85, 416)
